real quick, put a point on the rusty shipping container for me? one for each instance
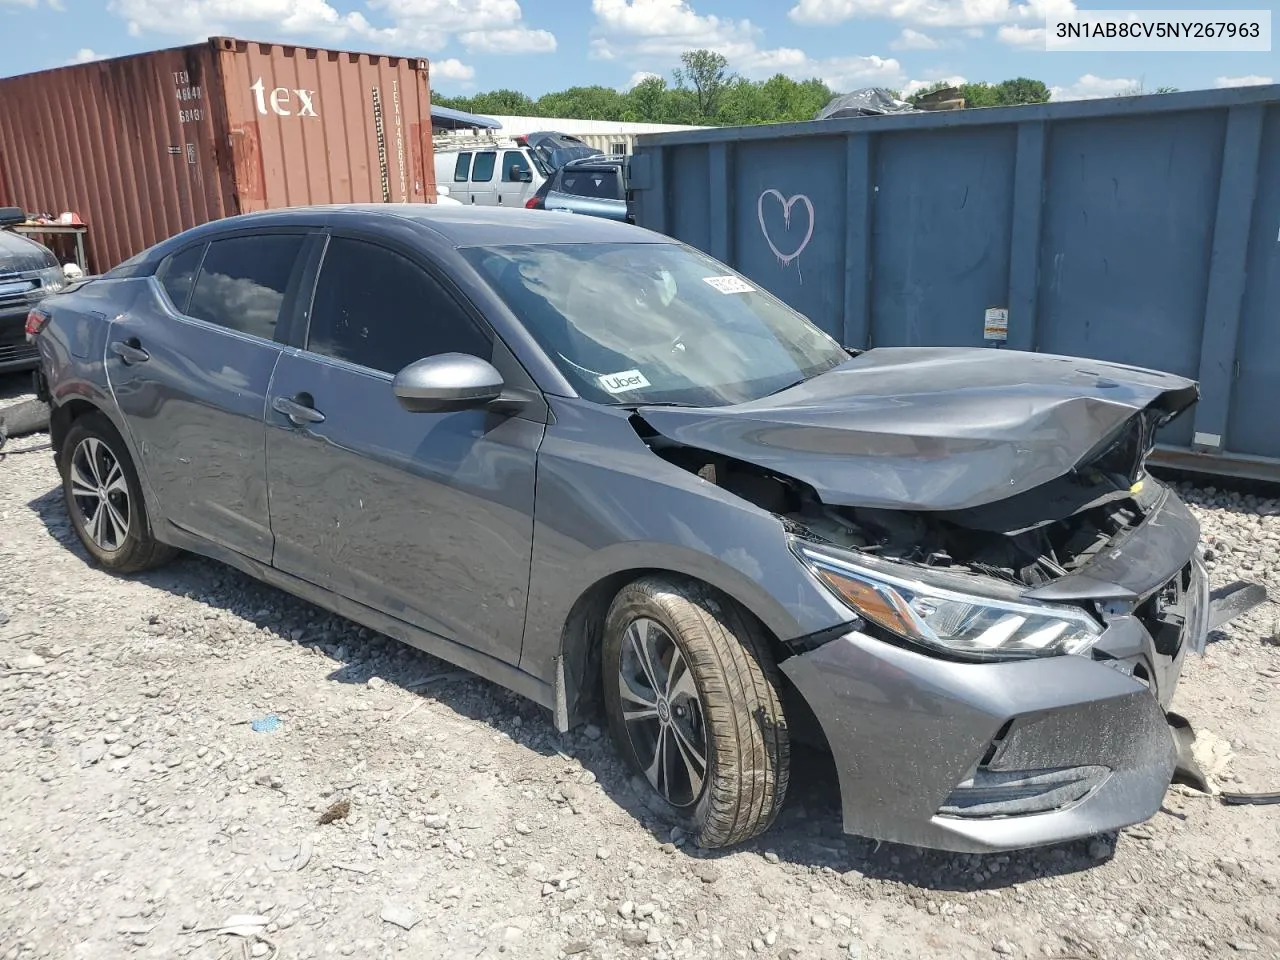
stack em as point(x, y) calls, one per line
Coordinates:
point(146, 146)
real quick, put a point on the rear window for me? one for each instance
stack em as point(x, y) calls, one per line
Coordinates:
point(243, 282)
point(602, 184)
point(462, 168)
point(177, 272)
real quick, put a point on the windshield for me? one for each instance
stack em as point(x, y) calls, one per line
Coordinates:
point(636, 323)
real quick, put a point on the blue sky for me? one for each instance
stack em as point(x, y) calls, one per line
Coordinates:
point(541, 45)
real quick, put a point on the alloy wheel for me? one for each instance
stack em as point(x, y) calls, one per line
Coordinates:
point(100, 494)
point(663, 712)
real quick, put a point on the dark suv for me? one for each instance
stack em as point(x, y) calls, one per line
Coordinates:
point(28, 273)
point(595, 186)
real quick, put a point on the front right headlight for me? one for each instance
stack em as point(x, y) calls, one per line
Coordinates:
point(944, 615)
point(52, 279)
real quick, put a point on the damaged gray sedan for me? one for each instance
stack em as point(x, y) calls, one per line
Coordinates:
point(607, 472)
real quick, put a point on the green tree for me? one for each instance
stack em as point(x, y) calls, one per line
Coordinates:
point(1004, 94)
point(582, 103)
point(707, 72)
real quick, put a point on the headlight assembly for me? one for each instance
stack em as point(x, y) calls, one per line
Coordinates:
point(52, 280)
point(938, 612)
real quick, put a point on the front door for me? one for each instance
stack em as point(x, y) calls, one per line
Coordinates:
point(189, 366)
point(427, 517)
point(512, 190)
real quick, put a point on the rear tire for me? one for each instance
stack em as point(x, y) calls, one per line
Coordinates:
point(692, 697)
point(104, 498)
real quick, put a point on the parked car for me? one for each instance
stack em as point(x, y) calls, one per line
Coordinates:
point(487, 172)
point(552, 149)
point(28, 272)
point(594, 186)
point(602, 469)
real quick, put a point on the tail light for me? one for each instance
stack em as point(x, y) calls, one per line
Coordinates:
point(533, 203)
point(36, 322)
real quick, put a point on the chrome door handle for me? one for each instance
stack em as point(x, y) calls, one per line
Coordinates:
point(299, 413)
point(129, 351)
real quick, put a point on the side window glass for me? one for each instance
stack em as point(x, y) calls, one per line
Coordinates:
point(482, 172)
point(462, 168)
point(178, 272)
point(512, 161)
point(243, 281)
point(378, 309)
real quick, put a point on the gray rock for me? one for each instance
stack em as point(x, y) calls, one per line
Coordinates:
point(1099, 849)
point(400, 916)
point(1003, 947)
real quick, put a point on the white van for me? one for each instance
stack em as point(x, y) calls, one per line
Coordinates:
point(487, 171)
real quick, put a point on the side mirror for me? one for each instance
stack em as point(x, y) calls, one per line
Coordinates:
point(11, 215)
point(522, 175)
point(446, 383)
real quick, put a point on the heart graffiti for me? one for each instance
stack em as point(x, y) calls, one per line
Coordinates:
point(787, 204)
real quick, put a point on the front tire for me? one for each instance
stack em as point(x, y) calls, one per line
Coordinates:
point(692, 697)
point(104, 498)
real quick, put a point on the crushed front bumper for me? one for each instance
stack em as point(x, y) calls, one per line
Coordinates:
point(979, 757)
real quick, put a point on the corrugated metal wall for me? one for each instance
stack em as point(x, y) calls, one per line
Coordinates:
point(323, 126)
point(144, 147)
point(129, 144)
point(1144, 231)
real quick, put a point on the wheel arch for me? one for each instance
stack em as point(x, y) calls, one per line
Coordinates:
point(63, 415)
point(578, 661)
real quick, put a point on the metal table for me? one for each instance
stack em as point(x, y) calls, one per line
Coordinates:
point(57, 228)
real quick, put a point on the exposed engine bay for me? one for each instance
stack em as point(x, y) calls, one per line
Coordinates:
point(1029, 539)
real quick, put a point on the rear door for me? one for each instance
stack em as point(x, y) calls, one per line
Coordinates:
point(189, 366)
point(483, 182)
point(427, 517)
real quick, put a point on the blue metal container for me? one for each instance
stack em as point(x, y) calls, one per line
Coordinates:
point(1142, 230)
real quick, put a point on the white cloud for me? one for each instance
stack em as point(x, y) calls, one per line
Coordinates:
point(210, 17)
point(1016, 36)
point(974, 33)
point(86, 55)
point(910, 39)
point(663, 29)
point(654, 33)
point(915, 86)
point(1252, 80)
point(1090, 87)
point(483, 26)
point(929, 13)
point(452, 69)
point(509, 40)
point(640, 76)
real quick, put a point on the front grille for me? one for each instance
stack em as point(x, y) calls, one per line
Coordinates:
point(17, 290)
point(17, 353)
point(1019, 793)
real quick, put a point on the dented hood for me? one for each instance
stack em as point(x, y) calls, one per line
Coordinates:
point(931, 428)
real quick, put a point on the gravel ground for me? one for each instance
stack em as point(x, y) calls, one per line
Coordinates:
point(145, 816)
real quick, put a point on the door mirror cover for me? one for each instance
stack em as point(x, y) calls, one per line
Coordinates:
point(447, 382)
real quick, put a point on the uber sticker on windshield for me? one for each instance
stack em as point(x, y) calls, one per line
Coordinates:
point(624, 381)
point(730, 284)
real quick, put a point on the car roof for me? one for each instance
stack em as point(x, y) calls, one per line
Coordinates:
point(462, 225)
